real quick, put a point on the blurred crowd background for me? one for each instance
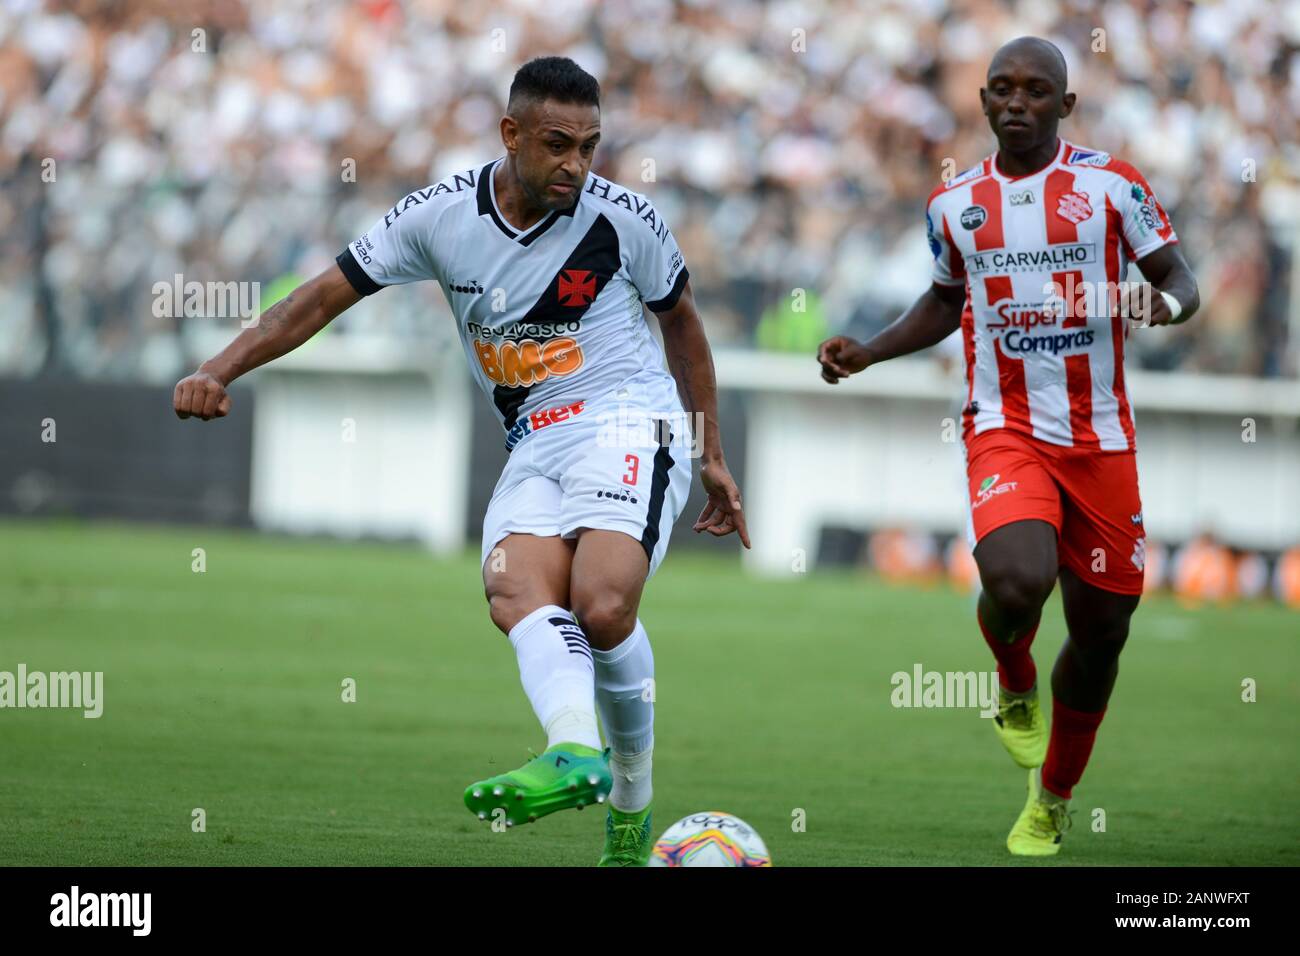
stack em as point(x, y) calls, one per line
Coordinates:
point(793, 147)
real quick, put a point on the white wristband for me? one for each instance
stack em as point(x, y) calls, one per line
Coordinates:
point(1175, 307)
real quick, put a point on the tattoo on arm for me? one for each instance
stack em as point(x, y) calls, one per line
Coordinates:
point(276, 317)
point(683, 368)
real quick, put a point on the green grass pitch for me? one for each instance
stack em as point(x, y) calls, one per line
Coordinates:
point(222, 691)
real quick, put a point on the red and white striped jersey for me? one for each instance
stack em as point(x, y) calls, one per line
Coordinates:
point(1043, 342)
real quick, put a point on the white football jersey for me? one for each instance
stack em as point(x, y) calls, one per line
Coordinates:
point(550, 317)
point(1040, 360)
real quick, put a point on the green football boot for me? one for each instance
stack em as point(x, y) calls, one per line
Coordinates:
point(627, 839)
point(566, 775)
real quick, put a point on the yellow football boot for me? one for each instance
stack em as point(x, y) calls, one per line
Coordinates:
point(1021, 727)
point(1042, 822)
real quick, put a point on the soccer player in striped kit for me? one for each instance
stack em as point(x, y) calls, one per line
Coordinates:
point(1030, 249)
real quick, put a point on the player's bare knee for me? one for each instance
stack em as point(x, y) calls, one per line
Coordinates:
point(1104, 643)
point(1018, 592)
point(606, 620)
point(507, 607)
point(504, 611)
point(1098, 621)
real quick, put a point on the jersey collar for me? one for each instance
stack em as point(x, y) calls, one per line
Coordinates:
point(487, 206)
point(1003, 177)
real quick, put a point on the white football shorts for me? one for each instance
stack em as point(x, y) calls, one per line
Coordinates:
point(612, 467)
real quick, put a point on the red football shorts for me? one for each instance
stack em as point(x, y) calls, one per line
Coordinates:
point(1090, 497)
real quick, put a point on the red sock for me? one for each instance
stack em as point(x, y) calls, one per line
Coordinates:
point(1016, 671)
point(1073, 734)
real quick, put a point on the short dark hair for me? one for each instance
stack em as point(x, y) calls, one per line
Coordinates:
point(553, 78)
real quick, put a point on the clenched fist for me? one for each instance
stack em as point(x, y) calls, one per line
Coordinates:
point(202, 395)
point(841, 357)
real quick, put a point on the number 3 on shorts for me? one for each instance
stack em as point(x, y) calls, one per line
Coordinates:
point(633, 463)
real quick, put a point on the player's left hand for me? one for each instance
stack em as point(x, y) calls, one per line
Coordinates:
point(1147, 307)
point(723, 514)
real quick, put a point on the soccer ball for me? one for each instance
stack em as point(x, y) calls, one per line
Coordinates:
point(710, 838)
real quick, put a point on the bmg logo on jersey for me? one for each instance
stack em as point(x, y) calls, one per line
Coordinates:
point(527, 361)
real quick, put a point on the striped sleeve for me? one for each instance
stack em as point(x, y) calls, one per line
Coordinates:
point(949, 267)
point(1144, 222)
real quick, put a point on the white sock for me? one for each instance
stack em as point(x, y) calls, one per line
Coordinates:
point(632, 791)
point(625, 696)
point(556, 670)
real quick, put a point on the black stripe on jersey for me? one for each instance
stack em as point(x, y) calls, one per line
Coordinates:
point(485, 205)
point(551, 220)
point(598, 253)
point(658, 487)
point(487, 208)
point(675, 293)
point(356, 276)
point(509, 399)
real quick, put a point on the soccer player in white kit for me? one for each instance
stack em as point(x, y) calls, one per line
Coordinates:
point(546, 267)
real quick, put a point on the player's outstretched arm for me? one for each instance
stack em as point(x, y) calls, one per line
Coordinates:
point(931, 319)
point(279, 330)
point(1168, 272)
point(691, 363)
